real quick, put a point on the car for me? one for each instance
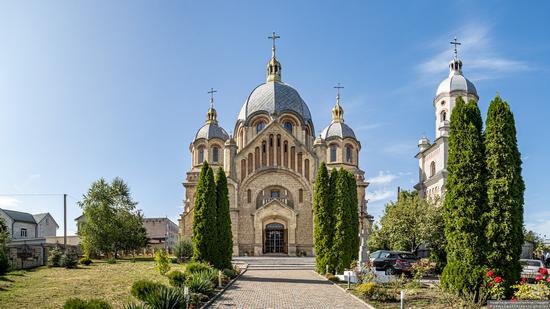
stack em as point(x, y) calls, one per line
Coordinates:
point(530, 268)
point(393, 262)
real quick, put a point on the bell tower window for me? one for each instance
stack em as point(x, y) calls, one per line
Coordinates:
point(201, 155)
point(215, 154)
point(348, 154)
point(443, 116)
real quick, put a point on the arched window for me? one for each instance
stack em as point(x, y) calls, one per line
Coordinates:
point(260, 126)
point(215, 154)
point(201, 154)
point(333, 150)
point(443, 116)
point(349, 153)
point(248, 196)
point(288, 126)
point(301, 195)
point(432, 169)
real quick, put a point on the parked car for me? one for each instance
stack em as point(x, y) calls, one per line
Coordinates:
point(531, 268)
point(393, 262)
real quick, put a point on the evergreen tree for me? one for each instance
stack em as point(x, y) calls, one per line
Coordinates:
point(341, 247)
point(223, 225)
point(204, 217)
point(505, 187)
point(323, 219)
point(353, 204)
point(465, 201)
point(330, 254)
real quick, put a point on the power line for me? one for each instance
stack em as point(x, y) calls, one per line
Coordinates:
point(31, 194)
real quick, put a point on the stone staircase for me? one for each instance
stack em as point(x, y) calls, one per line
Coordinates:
point(276, 262)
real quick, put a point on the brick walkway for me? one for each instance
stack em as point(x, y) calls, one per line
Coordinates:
point(284, 288)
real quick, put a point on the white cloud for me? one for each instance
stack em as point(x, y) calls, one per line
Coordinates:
point(478, 52)
point(379, 195)
point(371, 126)
point(9, 202)
point(538, 222)
point(382, 178)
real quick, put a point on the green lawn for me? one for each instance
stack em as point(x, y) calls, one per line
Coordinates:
point(45, 287)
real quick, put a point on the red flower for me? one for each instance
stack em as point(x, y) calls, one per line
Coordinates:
point(538, 277)
point(523, 280)
point(548, 279)
point(490, 283)
point(490, 273)
point(543, 271)
point(498, 279)
point(514, 299)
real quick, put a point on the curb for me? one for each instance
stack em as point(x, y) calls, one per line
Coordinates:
point(345, 291)
point(230, 283)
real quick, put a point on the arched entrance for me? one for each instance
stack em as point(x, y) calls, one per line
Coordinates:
point(275, 238)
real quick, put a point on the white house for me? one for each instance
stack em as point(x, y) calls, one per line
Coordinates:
point(22, 225)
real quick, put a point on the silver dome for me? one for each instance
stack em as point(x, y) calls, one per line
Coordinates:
point(210, 131)
point(456, 81)
point(337, 129)
point(275, 97)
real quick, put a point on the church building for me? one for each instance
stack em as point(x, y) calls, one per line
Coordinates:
point(271, 163)
point(432, 157)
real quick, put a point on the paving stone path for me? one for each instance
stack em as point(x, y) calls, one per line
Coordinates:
point(284, 285)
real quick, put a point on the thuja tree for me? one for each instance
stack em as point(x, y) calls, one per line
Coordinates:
point(204, 217)
point(223, 223)
point(341, 246)
point(465, 201)
point(505, 187)
point(352, 202)
point(322, 219)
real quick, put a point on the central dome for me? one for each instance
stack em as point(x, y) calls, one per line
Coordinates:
point(275, 98)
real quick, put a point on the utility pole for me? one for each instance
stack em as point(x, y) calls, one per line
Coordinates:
point(65, 222)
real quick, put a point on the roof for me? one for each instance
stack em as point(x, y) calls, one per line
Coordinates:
point(275, 97)
point(20, 216)
point(39, 217)
point(456, 81)
point(337, 129)
point(210, 131)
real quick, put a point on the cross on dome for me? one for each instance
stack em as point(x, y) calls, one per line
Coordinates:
point(212, 115)
point(273, 67)
point(338, 111)
point(211, 92)
point(455, 43)
point(273, 37)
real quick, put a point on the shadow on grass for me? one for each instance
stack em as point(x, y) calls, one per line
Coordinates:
point(3, 278)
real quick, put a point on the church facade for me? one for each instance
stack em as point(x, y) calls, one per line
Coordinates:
point(432, 157)
point(271, 163)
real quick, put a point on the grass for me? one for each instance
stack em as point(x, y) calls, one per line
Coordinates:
point(421, 297)
point(45, 287)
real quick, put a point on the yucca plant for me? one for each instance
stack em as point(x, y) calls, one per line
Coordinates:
point(201, 283)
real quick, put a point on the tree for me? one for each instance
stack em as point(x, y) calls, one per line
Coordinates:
point(353, 204)
point(224, 241)
point(505, 187)
point(322, 219)
point(4, 235)
point(111, 221)
point(204, 220)
point(341, 246)
point(409, 223)
point(183, 250)
point(465, 201)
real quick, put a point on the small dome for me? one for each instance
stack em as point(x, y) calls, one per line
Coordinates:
point(275, 97)
point(337, 129)
point(210, 131)
point(456, 81)
point(424, 141)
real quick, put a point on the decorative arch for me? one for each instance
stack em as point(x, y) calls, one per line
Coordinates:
point(432, 169)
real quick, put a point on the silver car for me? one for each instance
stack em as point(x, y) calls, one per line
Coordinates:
point(530, 268)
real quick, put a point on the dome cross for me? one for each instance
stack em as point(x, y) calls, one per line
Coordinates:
point(455, 42)
point(273, 37)
point(338, 87)
point(211, 92)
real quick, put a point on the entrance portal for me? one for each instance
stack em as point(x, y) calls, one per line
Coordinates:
point(275, 238)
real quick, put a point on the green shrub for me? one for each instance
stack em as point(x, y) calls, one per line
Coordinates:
point(135, 306)
point(54, 258)
point(177, 278)
point(230, 273)
point(76, 303)
point(69, 259)
point(111, 261)
point(165, 298)
point(332, 277)
point(367, 289)
point(198, 298)
point(212, 275)
point(141, 288)
point(174, 260)
point(183, 249)
point(196, 267)
point(85, 261)
point(200, 283)
point(163, 263)
point(4, 264)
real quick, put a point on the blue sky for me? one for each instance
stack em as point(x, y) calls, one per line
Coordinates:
point(92, 89)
